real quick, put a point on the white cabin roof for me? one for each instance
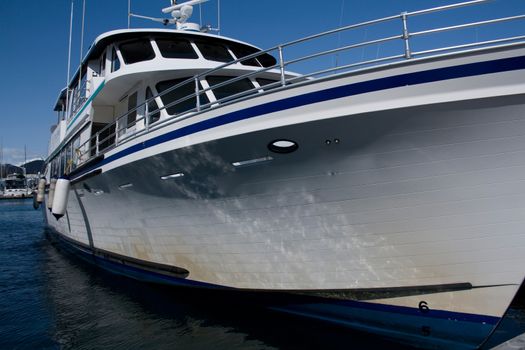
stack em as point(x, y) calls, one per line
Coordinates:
point(122, 34)
point(107, 38)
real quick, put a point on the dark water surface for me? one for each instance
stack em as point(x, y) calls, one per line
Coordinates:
point(50, 300)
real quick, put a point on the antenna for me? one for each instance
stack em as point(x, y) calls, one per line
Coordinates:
point(69, 59)
point(218, 17)
point(180, 14)
point(129, 12)
point(178, 7)
point(200, 15)
point(164, 21)
point(81, 44)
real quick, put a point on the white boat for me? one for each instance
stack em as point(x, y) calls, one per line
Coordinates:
point(15, 186)
point(385, 194)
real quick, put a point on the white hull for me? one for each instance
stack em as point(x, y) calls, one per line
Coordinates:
point(425, 189)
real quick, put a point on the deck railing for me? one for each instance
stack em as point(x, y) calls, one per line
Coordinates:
point(313, 57)
point(79, 97)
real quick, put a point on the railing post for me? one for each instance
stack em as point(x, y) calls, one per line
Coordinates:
point(406, 35)
point(73, 156)
point(197, 94)
point(146, 116)
point(281, 66)
point(117, 131)
point(96, 143)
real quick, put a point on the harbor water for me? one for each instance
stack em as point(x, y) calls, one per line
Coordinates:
point(51, 300)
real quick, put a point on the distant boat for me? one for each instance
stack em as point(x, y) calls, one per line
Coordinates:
point(385, 193)
point(15, 186)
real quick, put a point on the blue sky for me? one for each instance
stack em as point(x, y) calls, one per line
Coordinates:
point(34, 40)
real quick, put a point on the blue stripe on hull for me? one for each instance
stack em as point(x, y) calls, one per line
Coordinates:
point(416, 78)
point(446, 328)
point(415, 330)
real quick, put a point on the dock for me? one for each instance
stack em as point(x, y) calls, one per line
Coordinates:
point(512, 344)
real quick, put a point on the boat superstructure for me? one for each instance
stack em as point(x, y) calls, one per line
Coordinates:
point(15, 186)
point(384, 192)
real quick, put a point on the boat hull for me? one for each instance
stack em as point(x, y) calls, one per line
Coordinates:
point(401, 217)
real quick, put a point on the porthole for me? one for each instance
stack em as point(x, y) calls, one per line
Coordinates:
point(283, 146)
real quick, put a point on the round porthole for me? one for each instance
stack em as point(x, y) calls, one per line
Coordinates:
point(283, 146)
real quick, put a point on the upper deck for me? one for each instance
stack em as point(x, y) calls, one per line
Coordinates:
point(121, 59)
point(122, 52)
point(184, 73)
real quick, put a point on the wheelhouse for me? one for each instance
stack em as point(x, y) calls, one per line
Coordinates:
point(129, 74)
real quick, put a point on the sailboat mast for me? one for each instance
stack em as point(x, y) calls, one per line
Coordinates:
point(25, 160)
point(69, 60)
point(2, 159)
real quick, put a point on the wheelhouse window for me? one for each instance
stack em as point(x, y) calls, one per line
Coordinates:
point(242, 51)
point(182, 92)
point(152, 107)
point(115, 62)
point(176, 48)
point(267, 60)
point(230, 89)
point(214, 51)
point(136, 51)
point(264, 82)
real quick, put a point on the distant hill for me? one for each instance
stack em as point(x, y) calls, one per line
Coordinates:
point(7, 169)
point(32, 167)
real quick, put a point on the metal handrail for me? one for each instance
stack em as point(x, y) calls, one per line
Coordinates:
point(477, 44)
point(79, 97)
point(467, 25)
point(94, 145)
point(446, 7)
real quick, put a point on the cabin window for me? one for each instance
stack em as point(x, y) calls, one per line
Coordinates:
point(132, 103)
point(106, 137)
point(176, 48)
point(263, 82)
point(214, 51)
point(136, 51)
point(241, 51)
point(115, 62)
point(152, 107)
point(229, 89)
point(267, 60)
point(179, 93)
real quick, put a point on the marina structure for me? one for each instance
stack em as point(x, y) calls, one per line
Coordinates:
point(385, 194)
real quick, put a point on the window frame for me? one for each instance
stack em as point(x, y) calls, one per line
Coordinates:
point(125, 54)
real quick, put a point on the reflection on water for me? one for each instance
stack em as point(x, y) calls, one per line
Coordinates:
point(50, 300)
point(95, 309)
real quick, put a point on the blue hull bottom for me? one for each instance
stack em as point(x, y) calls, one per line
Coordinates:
point(412, 329)
point(416, 327)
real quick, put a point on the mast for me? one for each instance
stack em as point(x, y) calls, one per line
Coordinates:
point(69, 60)
point(2, 159)
point(218, 17)
point(81, 45)
point(25, 160)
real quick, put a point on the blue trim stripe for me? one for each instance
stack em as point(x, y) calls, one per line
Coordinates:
point(93, 95)
point(416, 78)
point(441, 314)
point(58, 149)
